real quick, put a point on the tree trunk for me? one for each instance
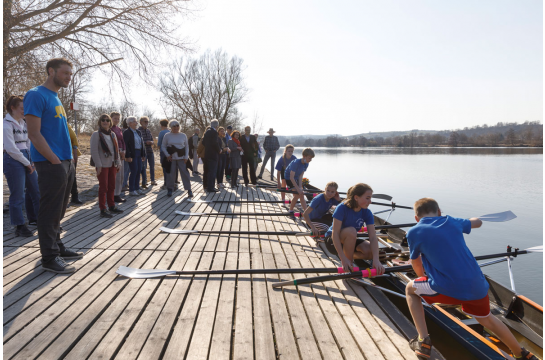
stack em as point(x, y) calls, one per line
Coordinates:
point(8, 4)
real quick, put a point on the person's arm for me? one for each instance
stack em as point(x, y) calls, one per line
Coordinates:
point(34, 124)
point(297, 188)
point(186, 156)
point(417, 266)
point(276, 145)
point(336, 236)
point(476, 223)
point(95, 150)
point(11, 148)
point(373, 241)
point(74, 142)
point(306, 216)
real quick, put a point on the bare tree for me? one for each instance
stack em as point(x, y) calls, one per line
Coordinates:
point(453, 139)
point(206, 88)
point(88, 32)
point(510, 136)
point(257, 123)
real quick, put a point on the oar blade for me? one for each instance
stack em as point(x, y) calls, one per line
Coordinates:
point(143, 273)
point(499, 217)
point(187, 213)
point(382, 196)
point(200, 201)
point(177, 231)
point(535, 249)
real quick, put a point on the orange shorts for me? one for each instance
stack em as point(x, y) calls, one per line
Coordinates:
point(476, 308)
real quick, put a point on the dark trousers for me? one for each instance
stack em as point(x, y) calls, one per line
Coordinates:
point(245, 163)
point(212, 168)
point(136, 170)
point(74, 190)
point(204, 173)
point(222, 162)
point(234, 177)
point(150, 159)
point(55, 183)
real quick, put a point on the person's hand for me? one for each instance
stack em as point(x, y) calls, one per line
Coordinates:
point(122, 155)
point(346, 264)
point(185, 161)
point(300, 191)
point(238, 147)
point(30, 168)
point(315, 231)
point(378, 266)
point(56, 161)
point(118, 168)
point(143, 159)
point(337, 196)
point(99, 170)
point(129, 160)
point(169, 158)
point(149, 142)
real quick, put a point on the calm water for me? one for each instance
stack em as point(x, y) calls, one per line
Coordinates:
point(466, 182)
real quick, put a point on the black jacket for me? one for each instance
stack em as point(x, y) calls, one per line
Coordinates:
point(211, 145)
point(128, 137)
point(249, 148)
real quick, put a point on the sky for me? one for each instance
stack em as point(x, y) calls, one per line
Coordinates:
point(350, 67)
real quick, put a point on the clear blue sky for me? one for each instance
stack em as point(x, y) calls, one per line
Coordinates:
point(319, 67)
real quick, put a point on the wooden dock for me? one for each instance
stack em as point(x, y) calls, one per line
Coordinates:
point(96, 314)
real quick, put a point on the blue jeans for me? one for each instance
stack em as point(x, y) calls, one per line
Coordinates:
point(19, 179)
point(222, 163)
point(150, 159)
point(136, 169)
point(127, 170)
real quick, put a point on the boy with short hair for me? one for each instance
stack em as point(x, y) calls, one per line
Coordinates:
point(294, 177)
point(454, 277)
point(317, 214)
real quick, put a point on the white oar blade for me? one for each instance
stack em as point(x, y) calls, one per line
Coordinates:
point(143, 273)
point(177, 231)
point(382, 196)
point(498, 217)
point(535, 249)
point(200, 201)
point(187, 213)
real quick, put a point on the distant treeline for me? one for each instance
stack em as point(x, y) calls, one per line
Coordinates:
point(529, 133)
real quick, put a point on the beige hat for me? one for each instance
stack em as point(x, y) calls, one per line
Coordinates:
point(271, 130)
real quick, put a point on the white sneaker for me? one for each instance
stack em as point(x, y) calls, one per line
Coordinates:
point(140, 192)
point(133, 193)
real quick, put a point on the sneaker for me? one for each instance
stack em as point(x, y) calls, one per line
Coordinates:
point(213, 190)
point(163, 187)
point(525, 354)
point(153, 182)
point(221, 186)
point(115, 210)
point(119, 199)
point(421, 348)
point(23, 231)
point(145, 186)
point(228, 177)
point(190, 193)
point(133, 193)
point(169, 192)
point(69, 254)
point(76, 200)
point(59, 266)
point(140, 192)
point(105, 214)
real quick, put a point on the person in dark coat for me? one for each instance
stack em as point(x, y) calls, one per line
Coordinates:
point(234, 158)
point(135, 154)
point(248, 143)
point(211, 155)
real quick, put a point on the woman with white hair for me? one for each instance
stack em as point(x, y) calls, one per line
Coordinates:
point(134, 155)
point(175, 148)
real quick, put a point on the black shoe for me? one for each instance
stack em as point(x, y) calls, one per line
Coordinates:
point(76, 200)
point(260, 177)
point(245, 184)
point(23, 231)
point(59, 266)
point(144, 186)
point(213, 190)
point(525, 354)
point(119, 199)
point(115, 210)
point(422, 349)
point(105, 214)
point(61, 229)
point(190, 193)
point(169, 192)
point(69, 254)
point(33, 222)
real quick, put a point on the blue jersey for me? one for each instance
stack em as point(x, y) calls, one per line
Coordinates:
point(451, 268)
point(281, 165)
point(320, 206)
point(351, 218)
point(45, 104)
point(298, 167)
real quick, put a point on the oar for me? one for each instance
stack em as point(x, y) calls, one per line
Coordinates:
point(231, 232)
point(240, 201)
point(296, 214)
point(373, 272)
point(364, 229)
point(152, 273)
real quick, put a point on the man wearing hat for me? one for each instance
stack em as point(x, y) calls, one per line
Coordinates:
point(270, 145)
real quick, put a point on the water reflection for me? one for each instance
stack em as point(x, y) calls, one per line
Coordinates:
point(428, 150)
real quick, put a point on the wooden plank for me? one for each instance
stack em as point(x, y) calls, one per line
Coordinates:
point(243, 340)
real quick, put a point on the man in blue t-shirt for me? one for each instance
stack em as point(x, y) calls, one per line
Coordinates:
point(294, 177)
point(454, 277)
point(317, 214)
point(51, 152)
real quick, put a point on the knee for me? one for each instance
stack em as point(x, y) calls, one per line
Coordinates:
point(409, 289)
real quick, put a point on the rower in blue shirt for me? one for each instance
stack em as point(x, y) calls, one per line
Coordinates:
point(317, 214)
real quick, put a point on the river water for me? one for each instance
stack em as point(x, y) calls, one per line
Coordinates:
point(466, 182)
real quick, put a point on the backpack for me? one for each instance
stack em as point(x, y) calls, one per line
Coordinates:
point(200, 150)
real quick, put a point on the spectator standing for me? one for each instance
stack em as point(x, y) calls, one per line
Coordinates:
point(175, 149)
point(270, 145)
point(19, 169)
point(150, 158)
point(195, 139)
point(234, 157)
point(164, 130)
point(126, 166)
point(116, 116)
point(249, 147)
point(75, 155)
point(105, 157)
point(51, 152)
point(135, 155)
point(228, 166)
point(211, 155)
point(223, 158)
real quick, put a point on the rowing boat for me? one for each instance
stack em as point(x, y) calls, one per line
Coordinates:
point(523, 316)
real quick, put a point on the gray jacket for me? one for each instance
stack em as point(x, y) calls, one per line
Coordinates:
point(235, 160)
point(98, 155)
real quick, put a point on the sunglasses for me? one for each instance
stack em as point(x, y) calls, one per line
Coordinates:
point(105, 120)
point(145, 122)
point(175, 126)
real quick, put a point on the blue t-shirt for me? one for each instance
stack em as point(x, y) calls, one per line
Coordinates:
point(451, 268)
point(137, 140)
point(45, 104)
point(280, 165)
point(297, 166)
point(320, 207)
point(161, 136)
point(351, 218)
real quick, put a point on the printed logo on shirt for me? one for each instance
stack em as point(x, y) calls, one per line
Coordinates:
point(60, 112)
point(359, 223)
